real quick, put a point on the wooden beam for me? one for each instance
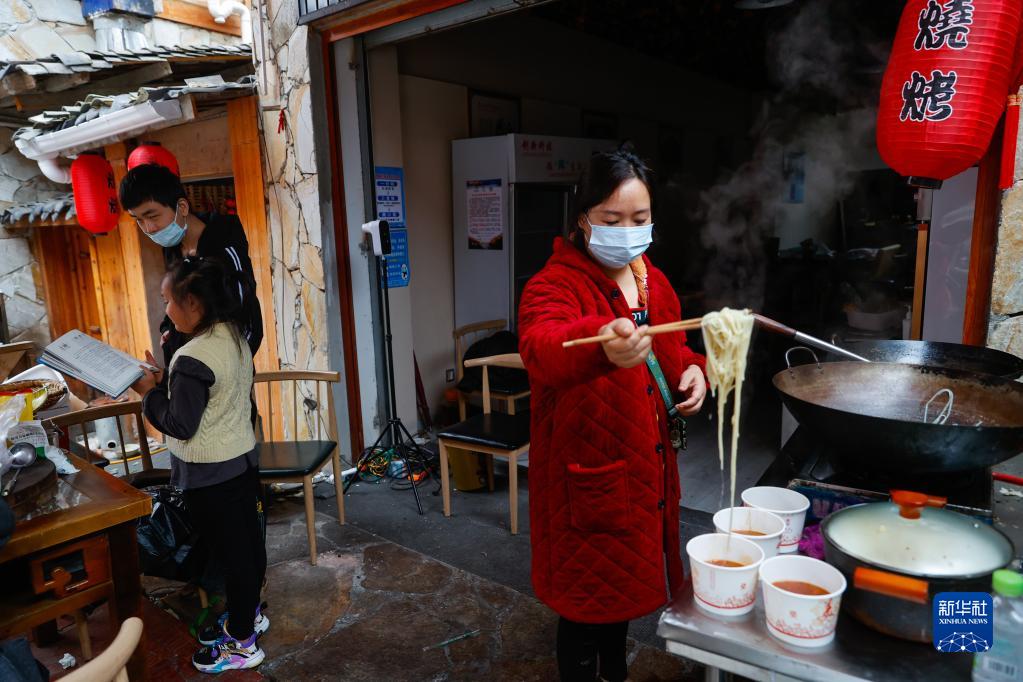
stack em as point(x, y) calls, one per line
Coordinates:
point(250, 195)
point(28, 223)
point(195, 14)
point(920, 281)
point(373, 16)
point(987, 209)
point(136, 293)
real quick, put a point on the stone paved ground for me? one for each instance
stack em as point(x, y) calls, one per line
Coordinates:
point(369, 610)
point(370, 607)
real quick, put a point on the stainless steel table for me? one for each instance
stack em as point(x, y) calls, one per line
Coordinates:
point(743, 646)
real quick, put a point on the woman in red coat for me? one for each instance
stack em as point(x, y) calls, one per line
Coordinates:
point(603, 481)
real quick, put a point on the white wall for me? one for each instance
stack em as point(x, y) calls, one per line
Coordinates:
point(437, 115)
point(385, 109)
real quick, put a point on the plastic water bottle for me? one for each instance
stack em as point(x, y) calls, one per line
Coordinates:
point(1004, 661)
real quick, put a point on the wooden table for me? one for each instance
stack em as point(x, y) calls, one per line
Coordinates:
point(93, 504)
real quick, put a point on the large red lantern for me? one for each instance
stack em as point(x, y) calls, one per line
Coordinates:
point(92, 180)
point(153, 152)
point(946, 84)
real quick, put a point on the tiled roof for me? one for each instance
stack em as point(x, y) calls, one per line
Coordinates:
point(96, 106)
point(58, 208)
point(70, 63)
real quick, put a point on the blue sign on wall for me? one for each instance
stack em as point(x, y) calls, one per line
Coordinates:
point(389, 192)
point(398, 273)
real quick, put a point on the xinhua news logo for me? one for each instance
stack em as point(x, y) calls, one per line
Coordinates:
point(963, 622)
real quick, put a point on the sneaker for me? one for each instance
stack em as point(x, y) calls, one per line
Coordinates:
point(211, 633)
point(228, 654)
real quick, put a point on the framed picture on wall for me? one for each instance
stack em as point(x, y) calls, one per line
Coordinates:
point(598, 125)
point(492, 115)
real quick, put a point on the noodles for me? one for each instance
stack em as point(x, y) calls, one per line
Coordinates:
point(726, 334)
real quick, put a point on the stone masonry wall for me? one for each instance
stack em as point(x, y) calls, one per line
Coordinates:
point(30, 29)
point(20, 182)
point(282, 69)
point(1005, 325)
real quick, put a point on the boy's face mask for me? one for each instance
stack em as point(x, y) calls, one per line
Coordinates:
point(615, 247)
point(171, 235)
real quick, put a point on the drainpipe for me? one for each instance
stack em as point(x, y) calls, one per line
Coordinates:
point(54, 171)
point(222, 9)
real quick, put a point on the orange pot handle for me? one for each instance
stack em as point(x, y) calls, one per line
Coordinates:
point(910, 503)
point(892, 585)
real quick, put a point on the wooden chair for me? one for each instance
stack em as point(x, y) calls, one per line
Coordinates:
point(492, 433)
point(509, 396)
point(109, 666)
point(11, 354)
point(297, 461)
point(65, 423)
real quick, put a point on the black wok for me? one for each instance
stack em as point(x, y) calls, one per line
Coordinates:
point(873, 414)
point(937, 354)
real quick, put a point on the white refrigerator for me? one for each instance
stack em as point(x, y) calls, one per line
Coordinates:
point(511, 197)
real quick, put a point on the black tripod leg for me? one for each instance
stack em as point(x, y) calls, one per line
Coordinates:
point(405, 454)
point(367, 455)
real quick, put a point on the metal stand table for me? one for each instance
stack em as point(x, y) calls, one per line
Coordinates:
point(743, 646)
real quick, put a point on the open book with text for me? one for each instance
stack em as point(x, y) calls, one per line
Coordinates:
point(93, 362)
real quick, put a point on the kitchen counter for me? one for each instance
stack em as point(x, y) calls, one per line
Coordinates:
point(743, 646)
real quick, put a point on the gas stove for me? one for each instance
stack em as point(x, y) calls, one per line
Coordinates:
point(804, 464)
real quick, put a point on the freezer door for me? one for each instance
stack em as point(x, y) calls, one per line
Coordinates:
point(539, 214)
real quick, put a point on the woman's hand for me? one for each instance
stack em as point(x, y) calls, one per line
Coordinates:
point(150, 378)
point(632, 345)
point(694, 388)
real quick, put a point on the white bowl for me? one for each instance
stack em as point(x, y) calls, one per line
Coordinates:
point(800, 619)
point(726, 591)
point(786, 504)
point(748, 518)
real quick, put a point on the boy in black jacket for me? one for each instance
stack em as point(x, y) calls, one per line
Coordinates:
point(154, 196)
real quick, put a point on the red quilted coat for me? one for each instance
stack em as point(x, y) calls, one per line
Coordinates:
point(603, 482)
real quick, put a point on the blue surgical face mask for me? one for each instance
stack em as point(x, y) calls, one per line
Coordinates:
point(615, 247)
point(170, 235)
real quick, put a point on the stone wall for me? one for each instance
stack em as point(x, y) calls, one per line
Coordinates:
point(282, 68)
point(1005, 330)
point(30, 29)
point(21, 182)
point(1005, 324)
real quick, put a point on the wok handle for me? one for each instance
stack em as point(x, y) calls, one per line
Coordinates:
point(773, 326)
point(891, 585)
point(778, 328)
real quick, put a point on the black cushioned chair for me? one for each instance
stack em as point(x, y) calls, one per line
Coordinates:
point(492, 433)
point(507, 387)
point(297, 461)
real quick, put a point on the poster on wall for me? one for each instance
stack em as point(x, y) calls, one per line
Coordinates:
point(486, 214)
point(389, 190)
point(398, 273)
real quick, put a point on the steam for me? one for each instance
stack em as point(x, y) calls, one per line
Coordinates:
point(813, 60)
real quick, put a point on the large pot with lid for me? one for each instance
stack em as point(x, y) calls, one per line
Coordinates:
point(898, 555)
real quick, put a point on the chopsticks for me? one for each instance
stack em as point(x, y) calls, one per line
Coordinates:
point(680, 326)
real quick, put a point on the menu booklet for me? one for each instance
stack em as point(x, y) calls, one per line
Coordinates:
point(91, 361)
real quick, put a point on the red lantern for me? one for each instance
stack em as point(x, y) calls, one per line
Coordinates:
point(153, 152)
point(945, 86)
point(92, 180)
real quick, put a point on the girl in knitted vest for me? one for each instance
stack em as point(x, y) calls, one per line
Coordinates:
point(204, 409)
